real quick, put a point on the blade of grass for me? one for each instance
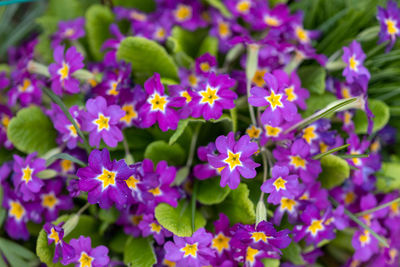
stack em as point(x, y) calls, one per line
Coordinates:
point(365, 212)
point(65, 156)
point(333, 150)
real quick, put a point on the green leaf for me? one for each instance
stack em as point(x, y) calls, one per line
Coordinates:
point(388, 178)
point(293, 254)
point(330, 151)
point(181, 175)
point(381, 113)
point(209, 45)
point(5, 155)
point(98, 21)
point(268, 262)
point(31, 130)
point(313, 78)
point(210, 192)
point(220, 6)
point(188, 41)
point(179, 131)
point(238, 206)
point(147, 57)
point(65, 156)
point(118, 242)
point(334, 171)
point(160, 150)
point(261, 212)
point(178, 220)
point(16, 254)
point(110, 215)
point(139, 252)
point(145, 6)
point(316, 102)
point(47, 174)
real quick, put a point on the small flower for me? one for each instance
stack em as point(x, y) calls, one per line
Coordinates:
point(68, 30)
point(354, 57)
point(205, 64)
point(5, 118)
point(190, 251)
point(61, 71)
point(25, 89)
point(101, 121)
point(104, 180)
point(187, 14)
point(221, 240)
point(85, 255)
point(69, 133)
point(18, 214)
point(234, 159)
point(25, 178)
point(205, 171)
point(131, 101)
point(365, 244)
point(55, 234)
point(150, 226)
point(389, 19)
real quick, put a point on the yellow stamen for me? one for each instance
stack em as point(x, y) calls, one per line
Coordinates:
point(64, 71)
point(155, 191)
point(253, 132)
point(291, 95)
point(271, 21)
point(353, 63)
point(107, 178)
point(298, 162)
point(102, 122)
point(130, 114)
point(243, 6)
point(220, 242)
point(183, 13)
point(27, 174)
point(257, 236)
point(315, 227)
point(205, 67)
point(158, 102)
point(136, 219)
point(190, 250)
point(364, 238)
point(192, 80)
point(302, 35)
point(54, 235)
point(287, 204)
point(209, 96)
point(49, 201)
point(274, 100)
point(155, 227)
point(309, 134)
point(26, 85)
point(137, 16)
point(223, 29)
point(5, 121)
point(280, 184)
point(258, 78)
point(391, 26)
point(186, 95)
point(349, 198)
point(16, 210)
point(251, 254)
point(272, 131)
point(233, 160)
point(69, 32)
point(85, 260)
point(113, 90)
point(132, 182)
point(66, 165)
point(323, 147)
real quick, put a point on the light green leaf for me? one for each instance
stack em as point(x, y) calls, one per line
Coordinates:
point(147, 57)
point(31, 130)
point(334, 171)
point(179, 131)
point(181, 175)
point(139, 252)
point(220, 6)
point(313, 78)
point(238, 206)
point(65, 156)
point(210, 192)
point(330, 151)
point(381, 113)
point(47, 174)
point(179, 220)
point(16, 254)
point(316, 102)
point(388, 178)
point(268, 262)
point(293, 254)
point(209, 45)
point(98, 21)
point(160, 150)
point(261, 212)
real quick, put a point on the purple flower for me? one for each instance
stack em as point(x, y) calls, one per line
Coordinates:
point(69, 30)
point(18, 215)
point(187, 14)
point(131, 101)
point(158, 106)
point(104, 180)
point(278, 107)
point(389, 19)
point(4, 81)
point(25, 89)
point(365, 244)
point(234, 158)
point(190, 251)
point(292, 87)
point(280, 185)
point(85, 255)
point(213, 97)
point(221, 240)
point(354, 57)
point(5, 118)
point(289, 206)
point(26, 182)
point(150, 226)
point(112, 44)
point(101, 121)
point(68, 132)
point(277, 17)
point(205, 64)
point(55, 233)
point(204, 171)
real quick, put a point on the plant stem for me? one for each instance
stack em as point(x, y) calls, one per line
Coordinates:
point(81, 210)
point(128, 155)
point(365, 212)
point(193, 145)
point(194, 195)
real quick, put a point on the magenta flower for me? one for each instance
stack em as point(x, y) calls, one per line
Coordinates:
point(25, 90)
point(25, 179)
point(85, 255)
point(188, 14)
point(4, 81)
point(205, 171)
point(104, 180)
point(61, 71)
point(150, 226)
point(288, 206)
point(213, 97)
point(5, 118)
point(234, 159)
point(389, 19)
point(292, 88)
point(69, 30)
point(278, 107)
point(221, 240)
point(131, 101)
point(67, 131)
point(190, 251)
point(55, 233)
point(205, 64)
point(280, 185)
point(354, 57)
point(112, 44)
point(101, 121)
point(365, 244)
point(159, 107)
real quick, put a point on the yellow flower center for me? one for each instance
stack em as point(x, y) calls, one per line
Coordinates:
point(5, 121)
point(183, 12)
point(253, 132)
point(392, 254)
point(85, 260)
point(220, 242)
point(160, 33)
point(155, 227)
point(130, 113)
point(287, 204)
point(375, 146)
point(158, 102)
point(223, 29)
point(64, 71)
point(346, 92)
point(233, 160)
point(27, 174)
point(190, 250)
point(113, 90)
point(192, 80)
point(209, 96)
point(364, 238)
point(251, 254)
point(315, 227)
point(155, 191)
point(205, 67)
point(72, 130)
point(49, 201)
point(323, 147)
point(26, 86)
point(271, 21)
point(69, 32)
point(302, 35)
point(186, 95)
point(66, 165)
point(54, 235)
point(16, 210)
point(280, 184)
point(243, 6)
point(132, 182)
point(391, 26)
point(169, 263)
point(257, 236)
point(356, 161)
point(347, 118)
point(107, 178)
point(305, 196)
point(272, 131)
point(136, 219)
point(137, 16)
point(291, 95)
point(349, 198)
point(309, 134)
point(353, 63)
point(258, 78)
point(298, 162)
point(394, 208)
point(102, 122)
point(274, 100)
point(367, 218)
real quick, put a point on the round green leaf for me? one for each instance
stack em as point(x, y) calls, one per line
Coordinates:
point(388, 178)
point(210, 192)
point(313, 78)
point(139, 252)
point(381, 113)
point(209, 45)
point(179, 220)
point(31, 130)
point(160, 150)
point(334, 171)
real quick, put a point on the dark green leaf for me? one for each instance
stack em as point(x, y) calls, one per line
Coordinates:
point(146, 6)
point(313, 78)
point(160, 150)
point(210, 192)
point(293, 254)
point(139, 252)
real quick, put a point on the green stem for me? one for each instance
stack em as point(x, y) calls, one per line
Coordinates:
point(81, 210)
point(128, 156)
point(194, 196)
point(321, 155)
point(251, 68)
point(365, 212)
point(193, 145)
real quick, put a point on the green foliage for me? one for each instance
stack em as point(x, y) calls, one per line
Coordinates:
point(209, 45)
point(334, 171)
point(31, 130)
point(210, 192)
point(139, 252)
point(160, 150)
point(147, 57)
point(293, 254)
point(313, 78)
point(381, 113)
point(16, 254)
point(388, 178)
point(317, 102)
point(146, 6)
point(179, 220)
point(189, 41)
point(220, 6)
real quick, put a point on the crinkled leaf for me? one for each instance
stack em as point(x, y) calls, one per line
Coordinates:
point(160, 150)
point(313, 78)
point(334, 171)
point(210, 192)
point(31, 130)
point(179, 220)
point(139, 252)
point(381, 113)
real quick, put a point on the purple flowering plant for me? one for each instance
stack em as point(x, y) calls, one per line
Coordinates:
point(200, 133)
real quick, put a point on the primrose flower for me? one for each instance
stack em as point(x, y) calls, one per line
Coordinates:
point(158, 106)
point(273, 18)
point(280, 185)
point(221, 240)
point(85, 255)
point(4, 81)
point(234, 159)
point(61, 71)
point(205, 171)
point(131, 101)
point(389, 19)
point(190, 251)
point(101, 121)
point(55, 233)
point(364, 243)
point(66, 129)
point(5, 118)
point(69, 30)
point(213, 97)
point(112, 44)
point(187, 14)
point(104, 180)
point(354, 57)
point(25, 89)
point(289, 206)
point(150, 226)
point(205, 64)
point(25, 178)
